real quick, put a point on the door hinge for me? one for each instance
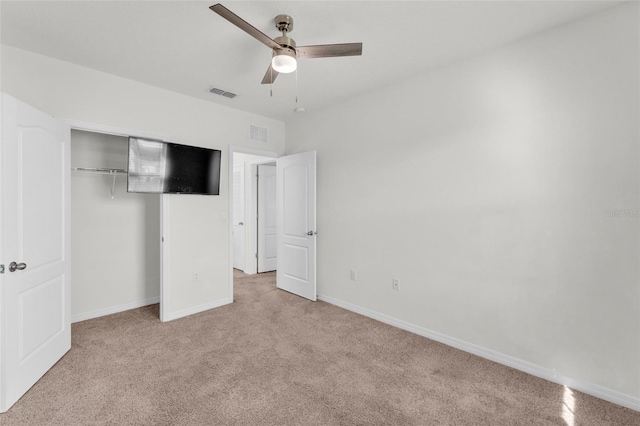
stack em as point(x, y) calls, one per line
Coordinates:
point(1, 269)
point(256, 255)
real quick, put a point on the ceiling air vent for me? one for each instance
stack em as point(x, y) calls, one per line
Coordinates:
point(258, 134)
point(221, 92)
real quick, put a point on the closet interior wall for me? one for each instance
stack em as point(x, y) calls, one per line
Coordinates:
point(115, 239)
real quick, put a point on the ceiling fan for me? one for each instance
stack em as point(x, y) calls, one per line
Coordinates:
point(285, 51)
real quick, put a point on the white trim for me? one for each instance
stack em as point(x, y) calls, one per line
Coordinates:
point(252, 212)
point(252, 151)
point(114, 309)
point(551, 375)
point(241, 150)
point(109, 130)
point(197, 309)
point(164, 258)
point(242, 262)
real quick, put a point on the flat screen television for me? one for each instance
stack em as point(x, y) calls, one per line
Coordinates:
point(169, 168)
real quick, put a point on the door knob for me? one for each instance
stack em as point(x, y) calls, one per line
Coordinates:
point(13, 266)
point(240, 223)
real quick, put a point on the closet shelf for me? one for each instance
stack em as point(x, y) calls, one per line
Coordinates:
point(102, 171)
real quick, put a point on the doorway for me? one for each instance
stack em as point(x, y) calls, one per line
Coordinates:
point(253, 215)
point(250, 198)
point(295, 179)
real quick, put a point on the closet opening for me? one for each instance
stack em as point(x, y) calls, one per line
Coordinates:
point(115, 235)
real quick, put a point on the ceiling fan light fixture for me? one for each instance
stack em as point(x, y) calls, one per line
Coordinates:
point(284, 61)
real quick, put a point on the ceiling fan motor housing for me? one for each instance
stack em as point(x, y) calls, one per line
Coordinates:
point(286, 42)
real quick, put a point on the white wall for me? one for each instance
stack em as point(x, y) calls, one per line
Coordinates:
point(484, 188)
point(199, 231)
point(115, 243)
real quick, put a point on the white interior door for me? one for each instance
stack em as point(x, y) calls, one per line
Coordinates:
point(267, 218)
point(238, 218)
point(35, 320)
point(296, 227)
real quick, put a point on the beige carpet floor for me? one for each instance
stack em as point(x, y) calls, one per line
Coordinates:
point(272, 358)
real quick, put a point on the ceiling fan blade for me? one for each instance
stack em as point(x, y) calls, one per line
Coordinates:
point(270, 75)
point(329, 50)
point(244, 25)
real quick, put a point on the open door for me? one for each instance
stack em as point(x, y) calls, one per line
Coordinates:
point(35, 315)
point(296, 198)
point(267, 218)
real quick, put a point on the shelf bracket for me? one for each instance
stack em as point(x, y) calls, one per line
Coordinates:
point(113, 183)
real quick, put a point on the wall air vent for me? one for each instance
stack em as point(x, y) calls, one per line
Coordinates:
point(221, 92)
point(258, 134)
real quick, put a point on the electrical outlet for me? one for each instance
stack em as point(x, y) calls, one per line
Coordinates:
point(196, 277)
point(395, 283)
point(354, 275)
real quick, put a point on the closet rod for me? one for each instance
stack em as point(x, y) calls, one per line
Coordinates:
point(98, 170)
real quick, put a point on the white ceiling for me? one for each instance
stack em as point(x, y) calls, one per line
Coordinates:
point(184, 47)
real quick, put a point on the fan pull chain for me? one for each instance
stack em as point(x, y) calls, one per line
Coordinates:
point(296, 85)
point(271, 82)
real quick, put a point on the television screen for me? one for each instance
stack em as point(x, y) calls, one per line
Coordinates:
point(168, 168)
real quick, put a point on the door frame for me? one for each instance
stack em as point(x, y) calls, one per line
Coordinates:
point(240, 150)
point(164, 201)
point(232, 218)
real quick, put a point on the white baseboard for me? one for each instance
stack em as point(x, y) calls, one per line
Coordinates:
point(196, 309)
point(114, 309)
point(533, 369)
